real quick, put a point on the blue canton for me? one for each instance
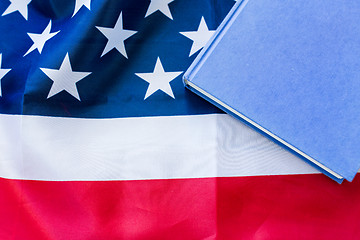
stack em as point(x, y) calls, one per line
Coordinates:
point(102, 58)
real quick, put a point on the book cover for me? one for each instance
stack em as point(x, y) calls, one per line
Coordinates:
point(291, 70)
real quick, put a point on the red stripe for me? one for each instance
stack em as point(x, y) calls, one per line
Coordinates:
point(273, 207)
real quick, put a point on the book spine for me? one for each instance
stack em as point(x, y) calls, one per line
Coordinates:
point(214, 40)
point(194, 89)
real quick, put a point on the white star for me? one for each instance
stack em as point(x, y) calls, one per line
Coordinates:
point(79, 4)
point(40, 39)
point(199, 37)
point(64, 78)
point(18, 5)
point(159, 80)
point(116, 37)
point(3, 72)
point(159, 5)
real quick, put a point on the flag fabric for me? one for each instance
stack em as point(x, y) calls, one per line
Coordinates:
point(100, 140)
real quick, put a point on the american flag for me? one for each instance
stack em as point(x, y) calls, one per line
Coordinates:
point(100, 140)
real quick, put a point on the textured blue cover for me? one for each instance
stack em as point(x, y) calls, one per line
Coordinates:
point(293, 67)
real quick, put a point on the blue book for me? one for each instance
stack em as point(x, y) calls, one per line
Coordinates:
point(291, 70)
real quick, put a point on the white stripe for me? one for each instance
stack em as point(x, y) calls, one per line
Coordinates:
point(64, 149)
